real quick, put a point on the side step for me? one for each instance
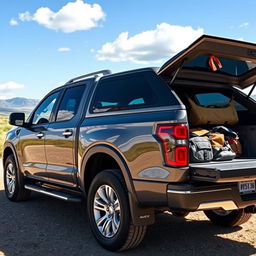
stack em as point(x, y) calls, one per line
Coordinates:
point(54, 193)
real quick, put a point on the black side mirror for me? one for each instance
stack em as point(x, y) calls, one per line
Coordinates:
point(17, 119)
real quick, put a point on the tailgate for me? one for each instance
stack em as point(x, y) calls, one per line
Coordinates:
point(225, 171)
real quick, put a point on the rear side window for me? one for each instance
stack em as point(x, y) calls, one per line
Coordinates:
point(216, 99)
point(70, 103)
point(140, 90)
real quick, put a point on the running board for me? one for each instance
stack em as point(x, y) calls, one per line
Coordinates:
point(53, 193)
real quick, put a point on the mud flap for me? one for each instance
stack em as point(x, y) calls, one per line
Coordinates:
point(141, 216)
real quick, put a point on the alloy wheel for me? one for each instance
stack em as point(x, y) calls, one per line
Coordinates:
point(10, 178)
point(107, 211)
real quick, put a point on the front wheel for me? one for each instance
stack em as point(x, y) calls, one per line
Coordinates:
point(14, 181)
point(228, 218)
point(109, 213)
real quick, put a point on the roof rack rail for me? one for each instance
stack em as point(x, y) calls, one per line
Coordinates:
point(94, 74)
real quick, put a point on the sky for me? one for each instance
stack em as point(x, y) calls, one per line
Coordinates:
point(44, 43)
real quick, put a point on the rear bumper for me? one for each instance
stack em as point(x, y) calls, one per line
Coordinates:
point(194, 197)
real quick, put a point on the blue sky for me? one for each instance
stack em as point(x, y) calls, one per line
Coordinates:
point(41, 48)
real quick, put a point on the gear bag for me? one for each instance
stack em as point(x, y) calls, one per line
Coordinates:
point(200, 150)
point(200, 115)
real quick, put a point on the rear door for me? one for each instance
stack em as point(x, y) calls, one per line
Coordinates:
point(215, 59)
point(60, 138)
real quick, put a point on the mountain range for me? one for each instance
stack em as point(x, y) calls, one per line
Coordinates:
point(17, 104)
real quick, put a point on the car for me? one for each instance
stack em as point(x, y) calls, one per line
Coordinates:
point(122, 142)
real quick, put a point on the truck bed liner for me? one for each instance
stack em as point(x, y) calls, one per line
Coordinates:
point(224, 171)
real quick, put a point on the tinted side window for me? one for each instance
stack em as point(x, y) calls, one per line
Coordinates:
point(43, 112)
point(144, 89)
point(70, 103)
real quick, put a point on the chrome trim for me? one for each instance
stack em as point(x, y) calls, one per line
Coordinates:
point(184, 192)
point(59, 195)
point(134, 111)
point(225, 205)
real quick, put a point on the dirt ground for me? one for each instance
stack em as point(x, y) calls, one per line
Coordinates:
point(46, 226)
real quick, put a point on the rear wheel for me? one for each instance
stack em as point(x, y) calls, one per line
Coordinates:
point(181, 214)
point(14, 181)
point(109, 213)
point(228, 218)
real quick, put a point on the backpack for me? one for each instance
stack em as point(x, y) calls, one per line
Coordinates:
point(200, 150)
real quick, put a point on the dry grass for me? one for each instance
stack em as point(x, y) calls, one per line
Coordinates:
point(4, 127)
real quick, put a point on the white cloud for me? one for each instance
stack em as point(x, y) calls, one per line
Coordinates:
point(149, 46)
point(13, 22)
point(71, 17)
point(9, 89)
point(64, 49)
point(244, 25)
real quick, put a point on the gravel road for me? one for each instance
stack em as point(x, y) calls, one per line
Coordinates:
point(46, 226)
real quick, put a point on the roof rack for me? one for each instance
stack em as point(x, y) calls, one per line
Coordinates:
point(94, 74)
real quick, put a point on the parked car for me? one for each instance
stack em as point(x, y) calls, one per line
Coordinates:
point(122, 141)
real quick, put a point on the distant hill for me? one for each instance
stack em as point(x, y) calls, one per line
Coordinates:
point(17, 104)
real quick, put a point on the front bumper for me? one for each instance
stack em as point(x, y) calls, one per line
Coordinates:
point(201, 196)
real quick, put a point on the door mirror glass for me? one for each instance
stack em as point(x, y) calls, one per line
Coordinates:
point(17, 119)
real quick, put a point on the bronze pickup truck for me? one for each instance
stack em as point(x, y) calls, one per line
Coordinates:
point(121, 141)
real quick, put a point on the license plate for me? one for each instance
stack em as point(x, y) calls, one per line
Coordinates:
point(247, 187)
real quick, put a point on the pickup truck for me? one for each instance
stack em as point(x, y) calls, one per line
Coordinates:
point(121, 141)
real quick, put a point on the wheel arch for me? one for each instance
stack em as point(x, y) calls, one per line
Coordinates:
point(9, 149)
point(108, 155)
point(140, 215)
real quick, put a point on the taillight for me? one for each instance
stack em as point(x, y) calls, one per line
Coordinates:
point(174, 143)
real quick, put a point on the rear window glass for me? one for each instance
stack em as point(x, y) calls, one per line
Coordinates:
point(229, 66)
point(216, 100)
point(137, 90)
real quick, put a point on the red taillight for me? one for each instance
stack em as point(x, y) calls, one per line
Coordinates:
point(174, 141)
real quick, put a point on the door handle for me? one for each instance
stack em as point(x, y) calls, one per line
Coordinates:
point(67, 133)
point(40, 135)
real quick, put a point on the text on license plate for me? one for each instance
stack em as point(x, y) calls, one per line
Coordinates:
point(246, 187)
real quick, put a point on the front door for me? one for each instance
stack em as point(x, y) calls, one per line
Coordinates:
point(32, 139)
point(60, 139)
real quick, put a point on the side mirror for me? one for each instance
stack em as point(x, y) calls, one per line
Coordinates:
point(17, 119)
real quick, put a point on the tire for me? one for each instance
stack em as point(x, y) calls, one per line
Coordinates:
point(181, 214)
point(228, 218)
point(115, 232)
point(14, 181)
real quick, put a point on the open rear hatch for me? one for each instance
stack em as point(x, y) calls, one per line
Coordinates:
point(224, 171)
point(215, 59)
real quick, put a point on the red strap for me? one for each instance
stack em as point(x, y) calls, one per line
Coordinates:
point(212, 60)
